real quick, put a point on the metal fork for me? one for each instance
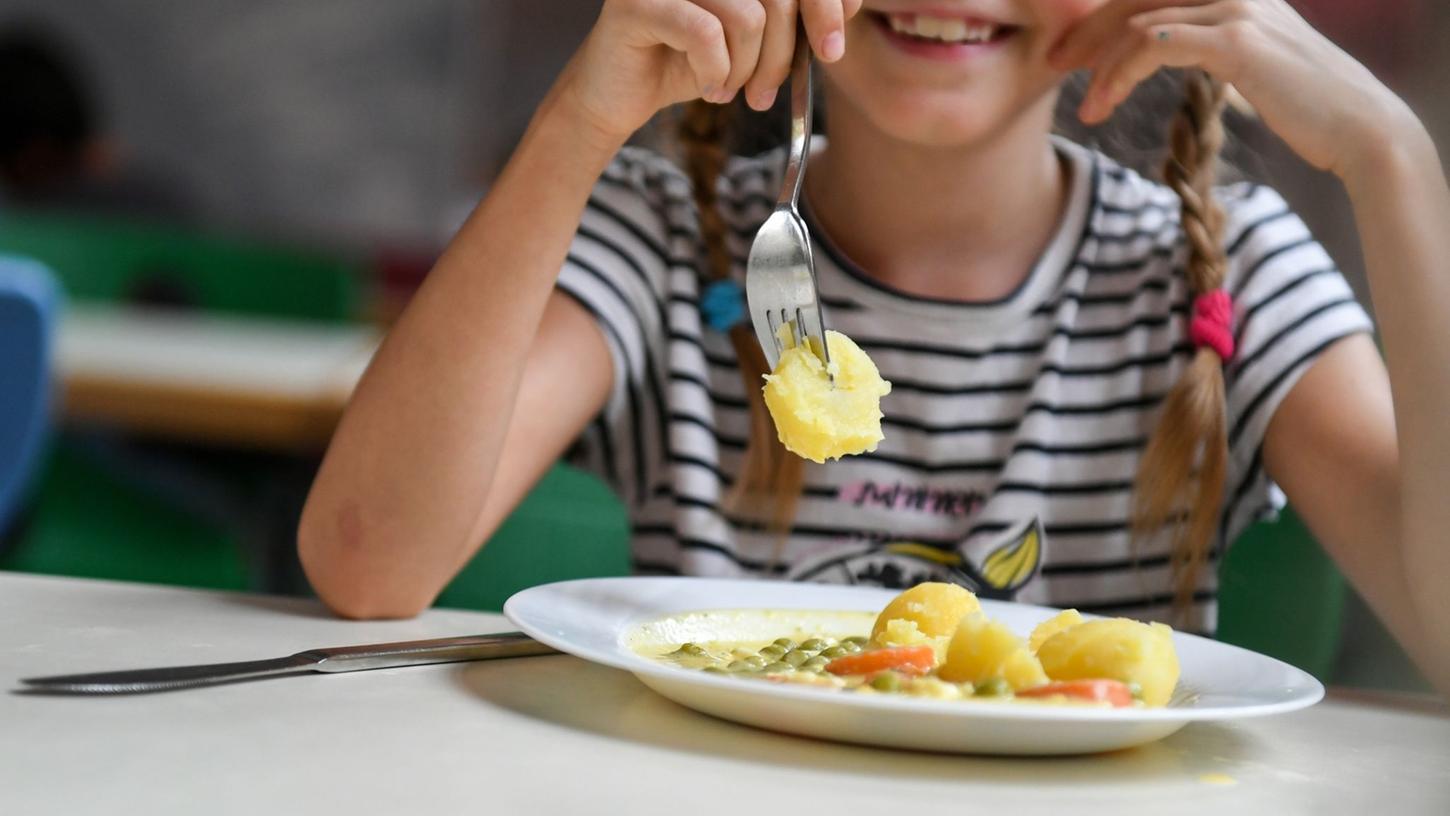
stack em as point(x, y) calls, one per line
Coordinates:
point(780, 275)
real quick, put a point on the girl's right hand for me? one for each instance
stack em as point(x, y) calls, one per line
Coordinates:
point(644, 55)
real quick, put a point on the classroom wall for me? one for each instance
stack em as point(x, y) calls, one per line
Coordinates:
point(347, 118)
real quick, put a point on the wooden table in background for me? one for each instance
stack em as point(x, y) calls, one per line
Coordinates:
point(249, 382)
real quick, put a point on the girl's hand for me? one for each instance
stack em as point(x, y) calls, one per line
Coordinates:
point(644, 55)
point(1326, 106)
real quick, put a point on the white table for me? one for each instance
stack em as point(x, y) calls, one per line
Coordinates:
point(549, 735)
point(238, 380)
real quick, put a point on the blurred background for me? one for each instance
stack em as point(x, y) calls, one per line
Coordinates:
point(209, 212)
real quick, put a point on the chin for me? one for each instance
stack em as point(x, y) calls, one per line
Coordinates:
point(946, 120)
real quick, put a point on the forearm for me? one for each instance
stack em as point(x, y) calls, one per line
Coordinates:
point(1402, 207)
point(413, 459)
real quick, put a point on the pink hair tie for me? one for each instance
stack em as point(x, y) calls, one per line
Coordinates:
point(1212, 324)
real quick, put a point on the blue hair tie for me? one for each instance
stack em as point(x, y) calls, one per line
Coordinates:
point(723, 305)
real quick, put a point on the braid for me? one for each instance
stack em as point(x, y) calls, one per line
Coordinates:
point(770, 477)
point(1184, 465)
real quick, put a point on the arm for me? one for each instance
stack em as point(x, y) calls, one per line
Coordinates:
point(1367, 472)
point(486, 377)
point(394, 510)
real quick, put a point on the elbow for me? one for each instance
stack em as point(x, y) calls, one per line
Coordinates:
point(351, 584)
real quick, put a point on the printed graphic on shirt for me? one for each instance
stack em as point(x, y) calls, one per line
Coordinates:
point(1012, 560)
point(903, 497)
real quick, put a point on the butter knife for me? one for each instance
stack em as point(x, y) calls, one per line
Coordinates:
point(334, 659)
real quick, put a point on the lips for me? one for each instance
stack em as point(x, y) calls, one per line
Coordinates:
point(951, 30)
point(941, 35)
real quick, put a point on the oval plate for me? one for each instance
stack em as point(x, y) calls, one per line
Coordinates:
point(592, 619)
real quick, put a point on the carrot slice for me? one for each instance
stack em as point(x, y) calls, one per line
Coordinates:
point(1111, 692)
point(905, 659)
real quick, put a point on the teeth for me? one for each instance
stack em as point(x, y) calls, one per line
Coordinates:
point(944, 29)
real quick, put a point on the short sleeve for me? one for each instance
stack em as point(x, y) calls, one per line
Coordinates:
point(618, 269)
point(1291, 304)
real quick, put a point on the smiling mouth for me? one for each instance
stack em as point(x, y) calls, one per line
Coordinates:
point(951, 31)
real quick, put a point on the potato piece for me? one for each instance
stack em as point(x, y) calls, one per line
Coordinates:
point(817, 420)
point(1116, 649)
point(983, 649)
point(935, 608)
point(1065, 619)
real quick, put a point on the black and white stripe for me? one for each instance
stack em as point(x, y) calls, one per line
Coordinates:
point(1038, 405)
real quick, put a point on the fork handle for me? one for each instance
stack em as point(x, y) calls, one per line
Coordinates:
point(801, 109)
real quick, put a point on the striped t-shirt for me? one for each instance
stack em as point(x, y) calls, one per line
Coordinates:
point(1013, 427)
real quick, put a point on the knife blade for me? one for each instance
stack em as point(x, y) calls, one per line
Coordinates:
point(327, 660)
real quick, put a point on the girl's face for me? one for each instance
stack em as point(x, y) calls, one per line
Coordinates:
point(949, 73)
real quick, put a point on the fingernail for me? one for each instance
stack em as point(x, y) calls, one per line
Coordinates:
point(833, 46)
point(708, 92)
point(764, 99)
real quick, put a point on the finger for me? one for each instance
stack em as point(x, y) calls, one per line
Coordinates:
point(698, 34)
point(1171, 45)
point(825, 27)
point(776, 50)
point(1104, 66)
point(1092, 35)
point(744, 23)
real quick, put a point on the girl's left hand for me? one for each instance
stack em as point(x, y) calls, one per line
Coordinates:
point(1326, 106)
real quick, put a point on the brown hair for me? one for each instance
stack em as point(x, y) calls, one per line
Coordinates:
point(1186, 458)
point(1181, 475)
point(770, 478)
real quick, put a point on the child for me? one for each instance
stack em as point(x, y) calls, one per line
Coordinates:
point(1098, 380)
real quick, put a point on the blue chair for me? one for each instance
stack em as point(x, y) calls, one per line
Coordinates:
point(29, 303)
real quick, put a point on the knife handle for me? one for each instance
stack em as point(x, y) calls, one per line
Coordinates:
point(420, 652)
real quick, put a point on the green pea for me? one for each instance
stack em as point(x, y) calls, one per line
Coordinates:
point(851, 648)
point(993, 687)
point(856, 640)
point(748, 664)
point(778, 666)
point(886, 681)
point(1136, 689)
point(773, 652)
point(714, 670)
point(814, 645)
point(835, 651)
point(691, 649)
point(795, 658)
point(815, 664)
point(784, 643)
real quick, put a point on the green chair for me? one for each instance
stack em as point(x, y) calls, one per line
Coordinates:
point(120, 261)
point(89, 517)
point(89, 522)
point(1279, 594)
point(569, 526)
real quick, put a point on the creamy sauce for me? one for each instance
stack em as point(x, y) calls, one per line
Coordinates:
point(726, 642)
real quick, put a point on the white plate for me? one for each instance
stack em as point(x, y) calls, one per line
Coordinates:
point(592, 619)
